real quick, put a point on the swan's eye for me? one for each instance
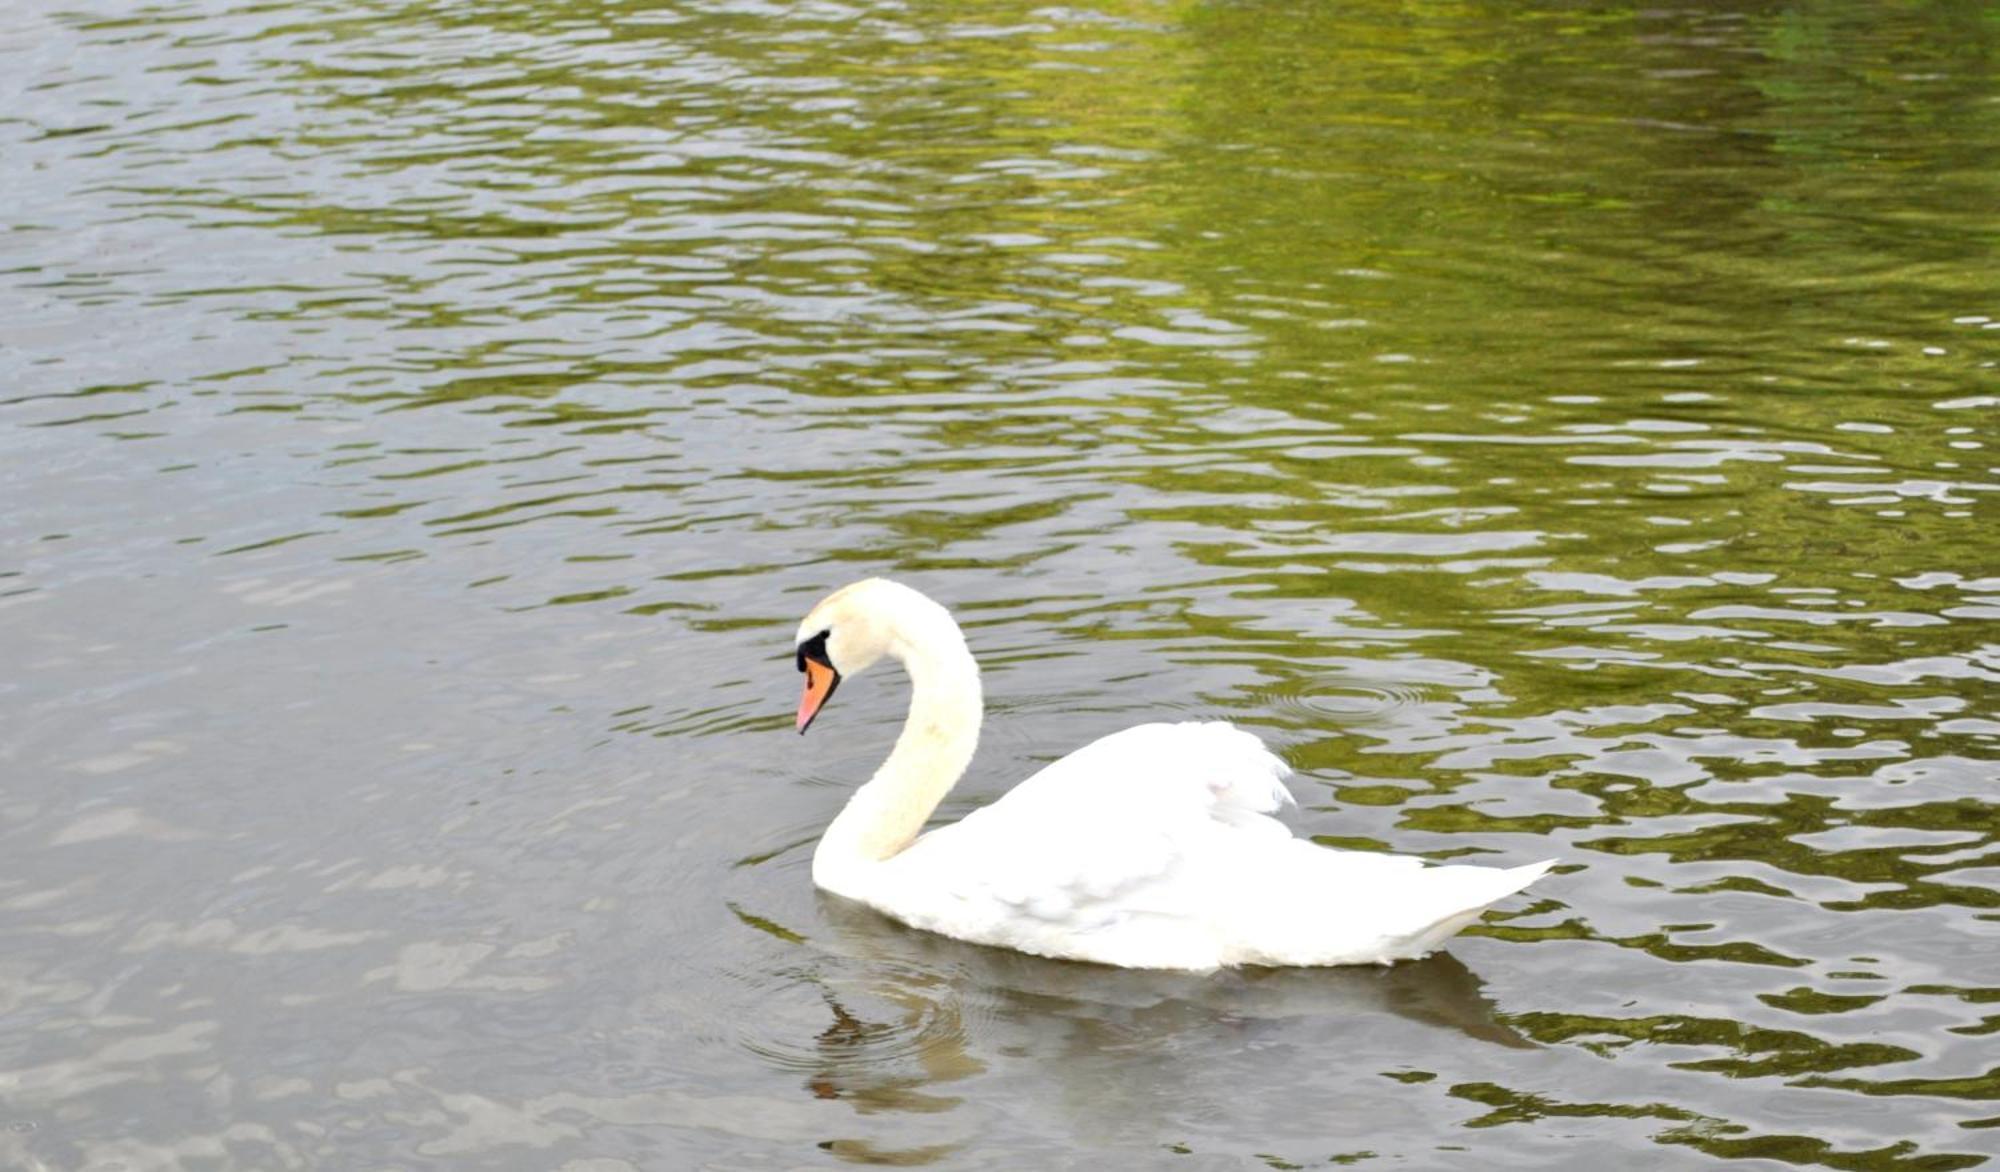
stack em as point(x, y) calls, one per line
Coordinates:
point(815, 650)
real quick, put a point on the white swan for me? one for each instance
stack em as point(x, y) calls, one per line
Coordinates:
point(1151, 848)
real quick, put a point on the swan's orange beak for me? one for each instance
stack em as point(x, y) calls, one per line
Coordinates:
point(820, 682)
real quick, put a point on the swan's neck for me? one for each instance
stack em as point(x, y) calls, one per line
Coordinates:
point(936, 745)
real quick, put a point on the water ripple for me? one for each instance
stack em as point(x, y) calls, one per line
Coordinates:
point(1560, 434)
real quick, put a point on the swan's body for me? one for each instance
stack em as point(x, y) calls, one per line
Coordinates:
point(1151, 848)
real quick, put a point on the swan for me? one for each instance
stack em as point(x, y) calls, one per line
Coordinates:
point(1152, 848)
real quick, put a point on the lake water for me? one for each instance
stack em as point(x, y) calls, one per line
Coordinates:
point(1559, 430)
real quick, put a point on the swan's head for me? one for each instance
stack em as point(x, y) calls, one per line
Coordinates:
point(848, 631)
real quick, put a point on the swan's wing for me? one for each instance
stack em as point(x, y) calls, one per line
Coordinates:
point(1209, 768)
point(1155, 848)
point(1118, 839)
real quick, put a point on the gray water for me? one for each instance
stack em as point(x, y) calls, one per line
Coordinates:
point(1557, 430)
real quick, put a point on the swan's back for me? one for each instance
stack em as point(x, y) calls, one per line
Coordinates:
point(1155, 847)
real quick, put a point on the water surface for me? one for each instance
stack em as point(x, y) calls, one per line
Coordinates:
point(1557, 430)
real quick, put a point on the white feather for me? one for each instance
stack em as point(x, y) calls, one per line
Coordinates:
point(1155, 847)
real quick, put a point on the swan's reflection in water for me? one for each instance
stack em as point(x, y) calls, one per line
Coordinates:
point(914, 1018)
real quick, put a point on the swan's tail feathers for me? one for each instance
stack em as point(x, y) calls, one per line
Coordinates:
point(1477, 889)
point(1518, 878)
point(1378, 908)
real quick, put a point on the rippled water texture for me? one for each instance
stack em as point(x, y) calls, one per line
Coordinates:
point(1558, 429)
